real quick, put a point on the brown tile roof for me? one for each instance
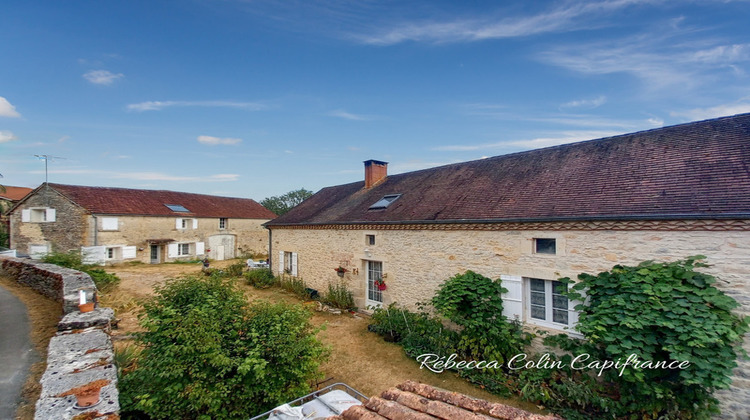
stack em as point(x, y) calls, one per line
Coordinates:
point(416, 401)
point(700, 169)
point(14, 193)
point(126, 201)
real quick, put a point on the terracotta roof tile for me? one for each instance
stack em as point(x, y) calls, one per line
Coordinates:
point(692, 170)
point(417, 401)
point(15, 193)
point(126, 201)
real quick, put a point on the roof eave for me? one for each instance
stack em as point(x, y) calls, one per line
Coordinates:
point(652, 217)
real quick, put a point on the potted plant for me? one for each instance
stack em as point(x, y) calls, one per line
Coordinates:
point(340, 271)
point(380, 284)
point(84, 306)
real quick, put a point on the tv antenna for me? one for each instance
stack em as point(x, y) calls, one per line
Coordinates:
point(46, 159)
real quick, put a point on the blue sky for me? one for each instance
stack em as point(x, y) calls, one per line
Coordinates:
point(256, 98)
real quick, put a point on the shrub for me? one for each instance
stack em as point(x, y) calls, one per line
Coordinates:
point(475, 303)
point(260, 278)
point(207, 353)
point(417, 332)
point(339, 296)
point(659, 312)
point(102, 279)
point(295, 285)
point(235, 270)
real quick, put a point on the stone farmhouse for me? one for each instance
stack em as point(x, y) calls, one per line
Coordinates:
point(533, 217)
point(118, 224)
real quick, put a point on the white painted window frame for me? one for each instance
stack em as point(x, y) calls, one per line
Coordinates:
point(548, 323)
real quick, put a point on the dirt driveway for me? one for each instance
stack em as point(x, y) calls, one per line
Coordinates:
point(359, 358)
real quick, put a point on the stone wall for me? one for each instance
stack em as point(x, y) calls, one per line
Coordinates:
point(81, 353)
point(249, 235)
point(66, 233)
point(74, 227)
point(417, 261)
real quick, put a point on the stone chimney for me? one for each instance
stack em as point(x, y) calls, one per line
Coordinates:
point(375, 172)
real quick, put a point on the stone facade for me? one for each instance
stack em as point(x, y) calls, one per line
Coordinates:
point(74, 227)
point(417, 259)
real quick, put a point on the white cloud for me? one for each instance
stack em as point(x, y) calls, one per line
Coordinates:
point(586, 103)
point(713, 112)
point(7, 136)
point(213, 141)
point(102, 77)
point(8, 110)
point(158, 176)
point(568, 137)
point(571, 16)
point(340, 113)
point(159, 105)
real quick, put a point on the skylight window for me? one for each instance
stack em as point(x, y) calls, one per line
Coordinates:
point(385, 201)
point(177, 208)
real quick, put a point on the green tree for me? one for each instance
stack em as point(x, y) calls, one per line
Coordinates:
point(208, 354)
point(283, 203)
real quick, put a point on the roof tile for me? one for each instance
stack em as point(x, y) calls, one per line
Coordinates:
point(126, 201)
point(699, 169)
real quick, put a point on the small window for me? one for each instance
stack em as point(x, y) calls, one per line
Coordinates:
point(370, 239)
point(545, 246)
point(38, 215)
point(547, 302)
point(385, 201)
point(183, 249)
point(222, 223)
point(111, 253)
point(177, 208)
point(184, 223)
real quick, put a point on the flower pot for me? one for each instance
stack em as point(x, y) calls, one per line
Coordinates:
point(86, 307)
point(87, 397)
point(340, 273)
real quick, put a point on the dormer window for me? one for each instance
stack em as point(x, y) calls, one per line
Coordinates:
point(385, 201)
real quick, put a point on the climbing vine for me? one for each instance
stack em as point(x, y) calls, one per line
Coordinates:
point(664, 313)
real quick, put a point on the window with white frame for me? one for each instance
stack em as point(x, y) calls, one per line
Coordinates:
point(183, 249)
point(38, 215)
point(287, 263)
point(547, 304)
point(223, 223)
point(186, 223)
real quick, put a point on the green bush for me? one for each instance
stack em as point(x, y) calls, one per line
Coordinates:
point(475, 303)
point(102, 279)
point(294, 285)
point(260, 278)
point(339, 296)
point(417, 332)
point(208, 354)
point(235, 270)
point(659, 312)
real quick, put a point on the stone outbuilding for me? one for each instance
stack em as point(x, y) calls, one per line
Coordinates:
point(532, 217)
point(152, 226)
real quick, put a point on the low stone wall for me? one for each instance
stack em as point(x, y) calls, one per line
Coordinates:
point(81, 353)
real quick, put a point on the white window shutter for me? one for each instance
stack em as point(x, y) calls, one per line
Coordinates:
point(281, 262)
point(26, 215)
point(172, 250)
point(513, 300)
point(294, 264)
point(128, 252)
point(110, 223)
point(50, 215)
point(93, 254)
point(178, 223)
point(200, 248)
point(195, 223)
